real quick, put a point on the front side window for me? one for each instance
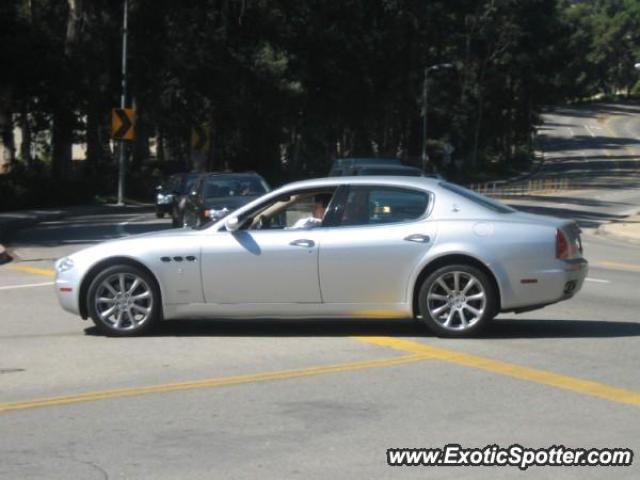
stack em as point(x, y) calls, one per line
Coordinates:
point(382, 205)
point(297, 211)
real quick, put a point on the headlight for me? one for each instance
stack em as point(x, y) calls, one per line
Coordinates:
point(163, 199)
point(64, 264)
point(216, 214)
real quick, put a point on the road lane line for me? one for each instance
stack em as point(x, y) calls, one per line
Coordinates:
point(120, 227)
point(590, 131)
point(29, 285)
point(597, 280)
point(615, 265)
point(47, 272)
point(544, 377)
point(210, 382)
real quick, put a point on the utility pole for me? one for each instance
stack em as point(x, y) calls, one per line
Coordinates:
point(123, 99)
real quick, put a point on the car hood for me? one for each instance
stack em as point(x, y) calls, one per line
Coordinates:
point(133, 243)
point(230, 203)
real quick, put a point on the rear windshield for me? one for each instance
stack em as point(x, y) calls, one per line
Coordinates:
point(405, 172)
point(478, 199)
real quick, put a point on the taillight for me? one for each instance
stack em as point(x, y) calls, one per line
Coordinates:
point(562, 245)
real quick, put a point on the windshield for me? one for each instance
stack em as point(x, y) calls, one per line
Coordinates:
point(485, 202)
point(188, 182)
point(234, 186)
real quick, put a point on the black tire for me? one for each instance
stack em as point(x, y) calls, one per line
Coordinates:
point(457, 301)
point(159, 214)
point(128, 328)
point(175, 222)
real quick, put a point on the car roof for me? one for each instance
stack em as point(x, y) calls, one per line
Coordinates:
point(353, 161)
point(231, 174)
point(391, 180)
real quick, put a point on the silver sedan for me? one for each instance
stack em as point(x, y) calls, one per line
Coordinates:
point(390, 247)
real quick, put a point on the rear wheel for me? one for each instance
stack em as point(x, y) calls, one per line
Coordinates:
point(123, 301)
point(159, 214)
point(457, 301)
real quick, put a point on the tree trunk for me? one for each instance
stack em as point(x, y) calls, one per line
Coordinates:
point(94, 147)
point(62, 141)
point(7, 146)
point(25, 127)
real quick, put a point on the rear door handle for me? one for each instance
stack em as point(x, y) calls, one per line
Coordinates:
point(302, 242)
point(418, 238)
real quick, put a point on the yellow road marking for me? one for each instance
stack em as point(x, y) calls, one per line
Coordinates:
point(47, 272)
point(616, 265)
point(210, 382)
point(544, 377)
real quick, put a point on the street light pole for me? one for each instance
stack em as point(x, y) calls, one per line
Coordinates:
point(123, 99)
point(425, 105)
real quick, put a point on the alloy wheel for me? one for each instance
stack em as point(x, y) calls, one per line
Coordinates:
point(456, 300)
point(124, 301)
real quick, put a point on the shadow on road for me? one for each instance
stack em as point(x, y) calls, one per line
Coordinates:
point(82, 231)
point(499, 329)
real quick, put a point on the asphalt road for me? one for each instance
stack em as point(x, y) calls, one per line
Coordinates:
point(326, 399)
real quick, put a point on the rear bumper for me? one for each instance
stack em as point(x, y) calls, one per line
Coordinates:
point(544, 287)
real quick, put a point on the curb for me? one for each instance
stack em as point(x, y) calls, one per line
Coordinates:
point(604, 232)
point(612, 229)
point(535, 169)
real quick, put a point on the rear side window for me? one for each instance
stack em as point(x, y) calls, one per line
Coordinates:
point(485, 202)
point(383, 205)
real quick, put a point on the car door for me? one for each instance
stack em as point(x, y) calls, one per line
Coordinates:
point(274, 265)
point(371, 252)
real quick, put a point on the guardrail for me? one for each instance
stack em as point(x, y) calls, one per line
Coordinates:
point(523, 187)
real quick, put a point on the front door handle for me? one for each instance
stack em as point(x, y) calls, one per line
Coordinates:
point(302, 242)
point(418, 238)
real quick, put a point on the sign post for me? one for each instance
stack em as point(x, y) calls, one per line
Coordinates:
point(123, 98)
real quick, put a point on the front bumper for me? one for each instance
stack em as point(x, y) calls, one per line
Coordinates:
point(67, 287)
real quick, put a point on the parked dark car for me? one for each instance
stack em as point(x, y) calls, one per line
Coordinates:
point(170, 195)
point(215, 195)
point(342, 165)
point(375, 169)
point(362, 167)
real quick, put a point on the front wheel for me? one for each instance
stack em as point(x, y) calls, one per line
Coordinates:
point(457, 301)
point(123, 301)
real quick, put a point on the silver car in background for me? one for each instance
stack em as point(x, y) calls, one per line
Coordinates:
point(390, 247)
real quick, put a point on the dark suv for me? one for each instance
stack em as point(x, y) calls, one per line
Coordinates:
point(215, 195)
point(171, 192)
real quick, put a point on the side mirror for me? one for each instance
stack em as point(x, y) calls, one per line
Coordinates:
point(232, 224)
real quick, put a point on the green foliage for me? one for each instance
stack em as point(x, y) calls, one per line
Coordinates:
point(287, 86)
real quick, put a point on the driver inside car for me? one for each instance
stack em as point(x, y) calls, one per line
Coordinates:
point(320, 203)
